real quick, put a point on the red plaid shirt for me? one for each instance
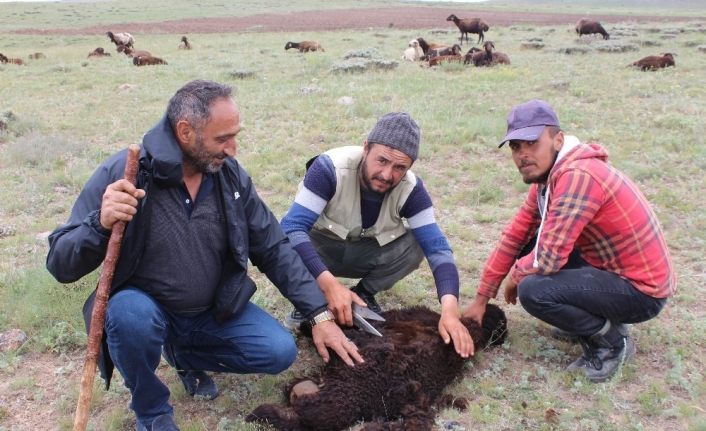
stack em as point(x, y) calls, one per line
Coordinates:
point(596, 209)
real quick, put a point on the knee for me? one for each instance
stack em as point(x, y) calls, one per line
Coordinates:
point(530, 293)
point(133, 314)
point(283, 354)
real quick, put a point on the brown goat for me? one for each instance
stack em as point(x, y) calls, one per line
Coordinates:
point(654, 62)
point(37, 56)
point(147, 61)
point(184, 43)
point(98, 52)
point(404, 375)
point(427, 46)
point(470, 25)
point(130, 52)
point(451, 50)
point(445, 59)
point(587, 26)
point(305, 46)
point(17, 61)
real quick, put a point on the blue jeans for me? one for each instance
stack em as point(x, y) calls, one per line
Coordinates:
point(580, 299)
point(137, 328)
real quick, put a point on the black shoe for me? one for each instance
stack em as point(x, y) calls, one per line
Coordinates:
point(604, 354)
point(368, 298)
point(198, 384)
point(294, 320)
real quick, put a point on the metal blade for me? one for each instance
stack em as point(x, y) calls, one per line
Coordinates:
point(367, 313)
point(364, 325)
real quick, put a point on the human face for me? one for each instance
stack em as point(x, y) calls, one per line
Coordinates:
point(535, 159)
point(206, 148)
point(382, 167)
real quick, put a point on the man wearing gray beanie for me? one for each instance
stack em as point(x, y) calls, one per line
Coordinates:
point(352, 218)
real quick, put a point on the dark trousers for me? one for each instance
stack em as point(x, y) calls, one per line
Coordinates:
point(378, 268)
point(579, 298)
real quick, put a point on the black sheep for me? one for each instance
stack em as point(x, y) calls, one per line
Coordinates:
point(403, 377)
point(587, 26)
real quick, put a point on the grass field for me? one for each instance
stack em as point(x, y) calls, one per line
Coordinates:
point(64, 114)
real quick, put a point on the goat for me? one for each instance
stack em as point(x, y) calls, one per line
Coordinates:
point(427, 46)
point(453, 50)
point(37, 56)
point(433, 61)
point(17, 61)
point(147, 60)
point(474, 54)
point(403, 376)
point(587, 26)
point(184, 43)
point(470, 25)
point(500, 58)
point(305, 46)
point(98, 52)
point(130, 52)
point(124, 39)
point(654, 62)
point(414, 52)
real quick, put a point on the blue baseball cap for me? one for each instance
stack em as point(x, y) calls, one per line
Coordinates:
point(527, 121)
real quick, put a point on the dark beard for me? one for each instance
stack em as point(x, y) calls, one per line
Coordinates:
point(542, 179)
point(201, 159)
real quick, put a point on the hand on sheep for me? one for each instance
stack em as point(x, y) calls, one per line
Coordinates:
point(476, 309)
point(328, 334)
point(340, 299)
point(119, 203)
point(510, 291)
point(451, 328)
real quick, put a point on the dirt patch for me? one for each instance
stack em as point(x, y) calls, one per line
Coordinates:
point(391, 17)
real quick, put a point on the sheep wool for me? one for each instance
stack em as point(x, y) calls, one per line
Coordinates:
point(397, 130)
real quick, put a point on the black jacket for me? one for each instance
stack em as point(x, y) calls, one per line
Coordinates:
point(79, 246)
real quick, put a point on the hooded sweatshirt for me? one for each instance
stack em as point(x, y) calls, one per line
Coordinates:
point(590, 206)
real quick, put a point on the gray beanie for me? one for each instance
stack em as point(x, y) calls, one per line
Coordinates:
point(398, 131)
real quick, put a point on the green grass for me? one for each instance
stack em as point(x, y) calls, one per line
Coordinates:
point(69, 113)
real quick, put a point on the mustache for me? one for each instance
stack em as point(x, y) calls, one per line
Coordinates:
point(383, 180)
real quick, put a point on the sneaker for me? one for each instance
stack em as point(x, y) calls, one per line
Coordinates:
point(368, 298)
point(599, 364)
point(294, 320)
point(198, 384)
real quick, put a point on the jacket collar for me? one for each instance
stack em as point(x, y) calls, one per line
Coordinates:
point(164, 152)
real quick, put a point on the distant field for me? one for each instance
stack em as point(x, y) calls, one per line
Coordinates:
point(60, 116)
point(74, 15)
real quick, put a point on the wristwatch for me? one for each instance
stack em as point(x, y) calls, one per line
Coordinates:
point(324, 316)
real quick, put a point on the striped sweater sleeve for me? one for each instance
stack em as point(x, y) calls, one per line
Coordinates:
point(317, 189)
point(419, 212)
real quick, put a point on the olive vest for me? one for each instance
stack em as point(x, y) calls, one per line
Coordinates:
point(341, 218)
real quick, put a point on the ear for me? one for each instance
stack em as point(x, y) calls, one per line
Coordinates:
point(366, 147)
point(558, 140)
point(184, 132)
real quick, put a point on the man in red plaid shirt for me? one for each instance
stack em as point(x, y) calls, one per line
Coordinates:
point(585, 252)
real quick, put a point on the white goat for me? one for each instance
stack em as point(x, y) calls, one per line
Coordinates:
point(414, 52)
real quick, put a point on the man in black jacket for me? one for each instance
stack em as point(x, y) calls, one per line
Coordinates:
point(181, 286)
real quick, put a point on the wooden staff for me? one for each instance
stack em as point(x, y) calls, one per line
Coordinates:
point(95, 333)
